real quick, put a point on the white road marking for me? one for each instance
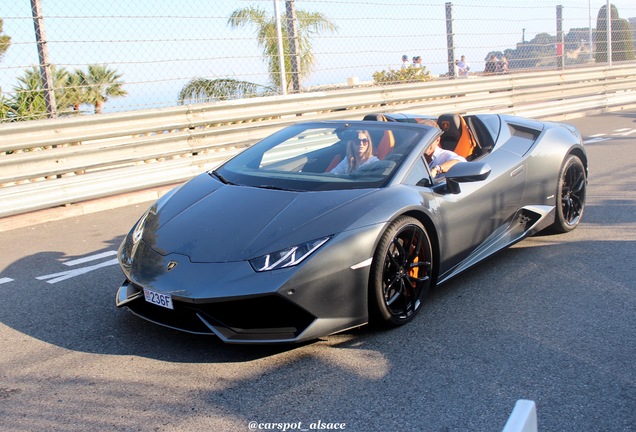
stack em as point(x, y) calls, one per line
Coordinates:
point(90, 258)
point(593, 140)
point(603, 136)
point(624, 132)
point(61, 276)
point(5, 280)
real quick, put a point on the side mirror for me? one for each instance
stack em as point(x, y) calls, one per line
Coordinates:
point(425, 182)
point(464, 172)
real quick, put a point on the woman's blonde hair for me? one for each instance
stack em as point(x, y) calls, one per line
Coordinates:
point(367, 154)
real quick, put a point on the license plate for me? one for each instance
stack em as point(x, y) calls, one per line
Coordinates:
point(163, 300)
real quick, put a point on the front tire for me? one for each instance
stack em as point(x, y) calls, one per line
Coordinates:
point(570, 195)
point(401, 273)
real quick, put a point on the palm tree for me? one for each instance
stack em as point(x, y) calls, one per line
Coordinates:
point(206, 90)
point(309, 24)
point(28, 102)
point(75, 93)
point(5, 41)
point(71, 90)
point(100, 83)
point(6, 109)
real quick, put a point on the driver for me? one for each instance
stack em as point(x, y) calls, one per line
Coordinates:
point(439, 160)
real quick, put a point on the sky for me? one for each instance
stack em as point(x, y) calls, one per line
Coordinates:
point(159, 45)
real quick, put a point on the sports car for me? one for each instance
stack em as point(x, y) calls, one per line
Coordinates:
point(275, 245)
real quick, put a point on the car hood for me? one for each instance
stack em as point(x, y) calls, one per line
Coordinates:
point(211, 222)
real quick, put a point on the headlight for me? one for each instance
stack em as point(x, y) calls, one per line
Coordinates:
point(138, 232)
point(130, 243)
point(287, 257)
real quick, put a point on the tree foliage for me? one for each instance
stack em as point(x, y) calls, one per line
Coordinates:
point(5, 41)
point(71, 89)
point(309, 24)
point(207, 90)
point(100, 84)
point(622, 36)
point(28, 102)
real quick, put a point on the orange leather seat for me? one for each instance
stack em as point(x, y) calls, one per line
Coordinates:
point(334, 161)
point(457, 136)
point(386, 145)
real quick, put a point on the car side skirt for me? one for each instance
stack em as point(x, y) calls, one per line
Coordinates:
point(526, 222)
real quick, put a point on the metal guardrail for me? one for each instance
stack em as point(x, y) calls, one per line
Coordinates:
point(47, 163)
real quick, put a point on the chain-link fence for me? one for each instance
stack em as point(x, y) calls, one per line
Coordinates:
point(75, 57)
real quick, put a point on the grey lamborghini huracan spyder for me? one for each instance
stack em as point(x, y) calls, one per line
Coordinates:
point(276, 245)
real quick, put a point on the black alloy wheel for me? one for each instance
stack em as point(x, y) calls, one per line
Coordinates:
point(401, 272)
point(570, 195)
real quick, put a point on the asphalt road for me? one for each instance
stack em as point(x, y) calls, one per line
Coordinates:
point(552, 319)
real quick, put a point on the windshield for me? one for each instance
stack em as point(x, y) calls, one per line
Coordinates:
point(324, 156)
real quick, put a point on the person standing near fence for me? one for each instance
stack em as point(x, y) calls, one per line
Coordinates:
point(502, 65)
point(405, 61)
point(463, 67)
point(491, 65)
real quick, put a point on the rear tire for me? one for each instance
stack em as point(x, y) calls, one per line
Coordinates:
point(401, 273)
point(570, 200)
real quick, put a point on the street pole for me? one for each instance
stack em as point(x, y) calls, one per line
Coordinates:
point(293, 44)
point(450, 44)
point(589, 12)
point(43, 54)
point(281, 51)
point(609, 32)
point(560, 46)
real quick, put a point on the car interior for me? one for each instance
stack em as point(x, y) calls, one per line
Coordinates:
point(465, 135)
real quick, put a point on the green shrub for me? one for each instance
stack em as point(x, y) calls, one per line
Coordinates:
point(622, 38)
point(404, 75)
